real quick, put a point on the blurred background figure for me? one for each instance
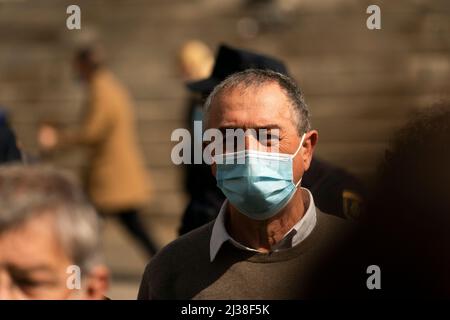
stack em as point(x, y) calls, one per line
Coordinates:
point(335, 190)
point(46, 226)
point(9, 151)
point(405, 231)
point(410, 211)
point(195, 60)
point(116, 179)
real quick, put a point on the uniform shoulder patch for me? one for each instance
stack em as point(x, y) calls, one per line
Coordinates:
point(352, 204)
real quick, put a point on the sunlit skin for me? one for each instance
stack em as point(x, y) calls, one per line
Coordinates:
point(33, 265)
point(264, 107)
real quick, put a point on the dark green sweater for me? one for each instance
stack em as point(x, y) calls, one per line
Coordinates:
point(182, 270)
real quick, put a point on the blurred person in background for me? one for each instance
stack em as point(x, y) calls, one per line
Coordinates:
point(410, 210)
point(117, 181)
point(405, 232)
point(9, 151)
point(46, 226)
point(335, 190)
point(195, 63)
point(195, 60)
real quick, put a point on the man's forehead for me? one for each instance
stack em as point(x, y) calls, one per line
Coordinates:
point(268, 92)
point(33, 243)
point(257, 106)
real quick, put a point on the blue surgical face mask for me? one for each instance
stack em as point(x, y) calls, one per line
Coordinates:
point(258, 184)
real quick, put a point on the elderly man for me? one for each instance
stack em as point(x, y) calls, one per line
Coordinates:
point(268, 234)
point(335, 190)
point(48, 238)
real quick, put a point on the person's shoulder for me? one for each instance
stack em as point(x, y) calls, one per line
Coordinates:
point(329, 218)
point(104, 80)
point(192, 244)
point(333, 226)
point(196, 239)
point(182, 255)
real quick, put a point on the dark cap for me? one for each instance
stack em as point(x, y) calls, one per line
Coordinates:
point(230, 60)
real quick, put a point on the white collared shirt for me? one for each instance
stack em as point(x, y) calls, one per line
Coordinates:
point(293, 237)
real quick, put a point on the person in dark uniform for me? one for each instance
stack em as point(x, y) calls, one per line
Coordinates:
point(9, 152)
point(195, 62)
point(335, 190)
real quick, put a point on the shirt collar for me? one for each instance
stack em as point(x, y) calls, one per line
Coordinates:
point(293, 237)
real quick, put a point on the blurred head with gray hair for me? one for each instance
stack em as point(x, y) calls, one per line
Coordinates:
point(49, 237)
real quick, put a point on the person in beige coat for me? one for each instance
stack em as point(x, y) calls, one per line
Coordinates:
point(116, 179)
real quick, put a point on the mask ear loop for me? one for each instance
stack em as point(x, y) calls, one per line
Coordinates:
point(293, 156)
point(299, 146)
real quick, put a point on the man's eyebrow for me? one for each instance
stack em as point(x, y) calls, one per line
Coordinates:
point(265, 126)
point(30, 269)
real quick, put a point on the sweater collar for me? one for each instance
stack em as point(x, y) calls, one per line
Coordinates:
point(293, 237)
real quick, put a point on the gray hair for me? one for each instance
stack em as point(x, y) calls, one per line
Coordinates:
point(259, 77)
point(29, 191)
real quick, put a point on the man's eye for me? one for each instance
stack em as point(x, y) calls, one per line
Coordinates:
point(269, 139)
point(26, 282)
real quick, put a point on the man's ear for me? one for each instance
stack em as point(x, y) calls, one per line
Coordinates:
point(97, 283)
point(309, 143)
